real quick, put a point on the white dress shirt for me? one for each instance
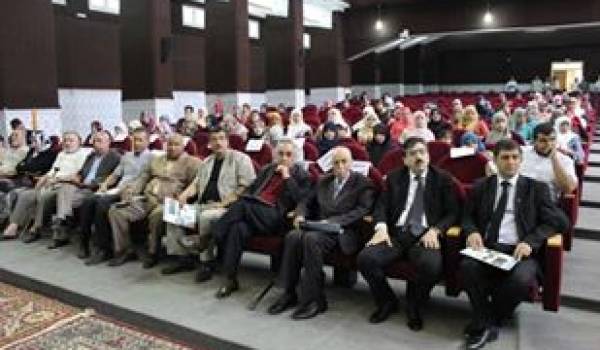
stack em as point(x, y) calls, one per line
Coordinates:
point(508, 227)
point(540, 168)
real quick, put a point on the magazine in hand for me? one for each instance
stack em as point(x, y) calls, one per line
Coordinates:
point(491, 257)
point(176, 214)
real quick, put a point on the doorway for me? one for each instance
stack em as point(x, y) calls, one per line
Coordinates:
point(566, 75)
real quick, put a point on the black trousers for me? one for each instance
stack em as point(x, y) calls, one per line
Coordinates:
point(245, 218)
point(306, 249)
point(373, 260)
point(494, 293)
point(94, 211)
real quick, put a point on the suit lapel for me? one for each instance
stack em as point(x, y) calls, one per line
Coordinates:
point(428, 192)
point(348, 185)
point(520, 195)
point(402, 193)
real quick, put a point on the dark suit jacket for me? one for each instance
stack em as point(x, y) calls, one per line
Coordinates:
point(296, 187)
point(536, 215)
point(38, 165)
point(441, 205)
point(105, 168)
point(354, 201)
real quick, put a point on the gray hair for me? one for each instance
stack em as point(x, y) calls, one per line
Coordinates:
point(296, 151)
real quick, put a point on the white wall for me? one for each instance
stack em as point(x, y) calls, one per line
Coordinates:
point(81, 106)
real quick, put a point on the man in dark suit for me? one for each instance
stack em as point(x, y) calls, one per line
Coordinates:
point(513, 214)
point(262, 209)
point(343, 198)
point(411, 216)
point(97, 166)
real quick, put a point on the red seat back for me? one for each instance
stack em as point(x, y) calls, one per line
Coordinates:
point(391, 160)
point(437, 151)
point(465, 169)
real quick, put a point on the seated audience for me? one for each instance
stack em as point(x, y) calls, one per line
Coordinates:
point(470, 122)
point(419, 129)
point(436, 122)
point(521, 124)
point(412, 214)
point(567, 141)
point(513, 214)
point(342, 197)
point(380, 144)
point(262, 209)
point(471, 140)
point(403, 119)
point(166, 175)
point(545, 163)
point(499, 130)
point(329, 138)
point(93, 212)
point(10, 157)
point(297, 128)
point(220, 179)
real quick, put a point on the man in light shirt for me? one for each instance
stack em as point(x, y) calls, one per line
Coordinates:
point(546, 163)
point(512, 214)
point(42, 199)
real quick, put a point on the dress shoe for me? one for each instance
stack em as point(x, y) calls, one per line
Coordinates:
point(150, 261)
point(205, 272)
point(122, 258)
point(479, 339)
point(229, 287)
point(30, 237)
point(181, 265)
point(57, 243)
point(309, 310)
point(97, 258)
point(414, 322)
point(383, 312)
point(284, 302)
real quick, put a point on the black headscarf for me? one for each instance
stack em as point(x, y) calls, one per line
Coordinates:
point(324, 144)
point(377, 150)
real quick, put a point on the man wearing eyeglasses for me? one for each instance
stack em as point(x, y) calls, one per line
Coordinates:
point(546, 163)
point(260, 210)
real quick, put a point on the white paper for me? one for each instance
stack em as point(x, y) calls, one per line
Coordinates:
point(254, 145)
point(178, 215)
point(460, 152)
point(491, 257)
point(361, 167)
point(299, 142)
point(153, 137)
point(326, 161)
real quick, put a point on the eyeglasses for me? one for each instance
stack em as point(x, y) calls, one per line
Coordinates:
point(285, 154)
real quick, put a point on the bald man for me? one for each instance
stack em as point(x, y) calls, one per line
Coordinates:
point(165, 176)
point(343, 197)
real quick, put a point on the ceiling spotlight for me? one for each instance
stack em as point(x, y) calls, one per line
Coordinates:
point(488, 18)
point(379, 25)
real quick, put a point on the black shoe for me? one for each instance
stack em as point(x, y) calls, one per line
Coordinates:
point(8, 238)
point(478, 340)
point(57, 243)
point(383, 312)
point(98, 258)
point(30, 237)
point(414, 322)
point(229, 287)
point(309, 310)
point(122, 259)
point(84, 251)
point(150, 261)
point(204, 273)
point(182, 265)
point(469, 330)
point(284, 302)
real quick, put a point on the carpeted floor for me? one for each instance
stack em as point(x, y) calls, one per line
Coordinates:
point(30, 321)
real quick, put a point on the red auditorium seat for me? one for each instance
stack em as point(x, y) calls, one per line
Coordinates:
point(262, 157)
point(311, 152)
point(122, 146)
point(358, 151)
point(465, 169)
point(237, 142)
point(437, 151)
point(569, 203)
point(157, 145)
point(391, 160)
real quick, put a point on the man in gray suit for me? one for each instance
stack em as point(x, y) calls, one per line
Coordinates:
point(71, 192)
point(343, 197)
point(222, 177)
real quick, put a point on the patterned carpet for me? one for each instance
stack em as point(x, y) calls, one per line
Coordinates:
point(29, 321)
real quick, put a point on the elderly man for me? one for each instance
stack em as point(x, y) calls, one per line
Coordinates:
point(42, 199)
point(73, 190)
point(343, 198)
point(412, 214)
point(261, 210)
point(165, 176)
point(221, 179)
point(94, 209)
point(545, 163)
point(512, 214)
point(9, 159)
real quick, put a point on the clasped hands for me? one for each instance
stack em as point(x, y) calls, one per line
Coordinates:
point(522, 250)
point(429, 240)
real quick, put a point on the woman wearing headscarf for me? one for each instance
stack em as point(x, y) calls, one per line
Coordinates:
point(403, 119)
point(275, 127)
point(470, 122)
point(436, 122)
point(380, 144)
point(500, 129)
point(364, 127)
point(419, 129)
point(328, 139)
point(297, 128)
point(521, 124)
point(567, 141)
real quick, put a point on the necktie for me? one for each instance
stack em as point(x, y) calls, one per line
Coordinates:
point(337, 187)
point(494, 227)
point(414, 220)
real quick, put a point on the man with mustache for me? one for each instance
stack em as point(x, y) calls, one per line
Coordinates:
point(546, 163)
point(418, 205)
